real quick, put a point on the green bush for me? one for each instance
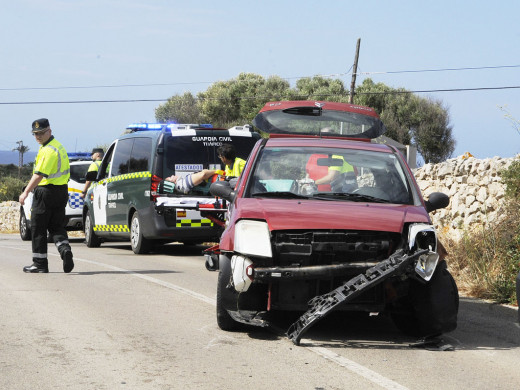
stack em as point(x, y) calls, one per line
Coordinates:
point(11, 188)
point(511, 178)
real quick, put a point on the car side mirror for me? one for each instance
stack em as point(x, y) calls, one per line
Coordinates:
point(437, 200)
point(223, 190)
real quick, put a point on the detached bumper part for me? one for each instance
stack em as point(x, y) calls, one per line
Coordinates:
point(323, 304)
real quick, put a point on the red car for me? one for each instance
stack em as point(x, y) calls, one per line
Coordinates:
point(324, 219)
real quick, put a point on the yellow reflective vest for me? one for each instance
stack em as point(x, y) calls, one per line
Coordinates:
point(94, 167)
point(238, 167)
point(52, 163)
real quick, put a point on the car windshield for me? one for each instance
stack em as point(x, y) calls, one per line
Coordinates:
point(330, 174)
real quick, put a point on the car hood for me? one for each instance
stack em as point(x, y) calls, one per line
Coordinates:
point(294, 214)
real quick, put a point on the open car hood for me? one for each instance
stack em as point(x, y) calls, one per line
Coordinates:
point(318, 118)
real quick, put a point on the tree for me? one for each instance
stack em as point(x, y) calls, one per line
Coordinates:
point(179, 109)
point(319, 88)
point(410, 119)
point(237, 101)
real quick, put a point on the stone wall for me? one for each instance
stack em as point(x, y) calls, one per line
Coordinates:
point(474, 186)
point(475, 189)
point(9, 215)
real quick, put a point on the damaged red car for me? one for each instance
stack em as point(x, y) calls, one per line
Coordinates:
point(322, 219)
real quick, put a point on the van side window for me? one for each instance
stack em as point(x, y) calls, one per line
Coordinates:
point(140, 160)
point(121, 161)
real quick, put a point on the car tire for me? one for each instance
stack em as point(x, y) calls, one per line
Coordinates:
point(140, 245)
point(25, 230)
point(91, 239)
point(224, 320)
point(431, 308)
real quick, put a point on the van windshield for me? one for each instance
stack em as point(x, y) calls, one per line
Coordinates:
point(187, 154)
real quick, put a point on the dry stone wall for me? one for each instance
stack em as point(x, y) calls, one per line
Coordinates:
point(474, 186)
point(475, 189)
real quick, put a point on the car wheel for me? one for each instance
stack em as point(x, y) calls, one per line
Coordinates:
point(431, 308)
point(140, 245)
point(91, 239)
point(224, 320)
point(25, 231)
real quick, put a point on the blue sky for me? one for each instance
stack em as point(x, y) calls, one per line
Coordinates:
point(62, 51)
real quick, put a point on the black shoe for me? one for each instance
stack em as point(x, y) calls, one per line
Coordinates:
point(35, 268)
point(68, 263)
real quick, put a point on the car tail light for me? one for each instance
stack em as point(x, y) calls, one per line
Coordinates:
point(153, 188)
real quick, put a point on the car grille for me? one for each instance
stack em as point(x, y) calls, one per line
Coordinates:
point(332, 247)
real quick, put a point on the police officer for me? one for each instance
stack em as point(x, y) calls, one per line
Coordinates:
point(97, 156)
point(51, 173)
point(234, 165)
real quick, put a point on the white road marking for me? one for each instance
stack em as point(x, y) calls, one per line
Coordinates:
point(350, 365)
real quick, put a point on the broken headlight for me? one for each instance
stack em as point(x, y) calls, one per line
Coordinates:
point(423, 236)
point(253, 238)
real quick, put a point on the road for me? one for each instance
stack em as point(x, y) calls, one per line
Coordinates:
point(122, 321)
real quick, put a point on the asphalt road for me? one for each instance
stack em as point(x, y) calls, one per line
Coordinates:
point(122, 321)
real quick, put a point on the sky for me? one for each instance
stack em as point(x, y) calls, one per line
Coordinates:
point(69, 60)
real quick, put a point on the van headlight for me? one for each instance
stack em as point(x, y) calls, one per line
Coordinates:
point(253, 238)
point(423, 236)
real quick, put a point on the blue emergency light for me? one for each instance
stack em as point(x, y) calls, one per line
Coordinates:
point(161, 126)
point(79, 156)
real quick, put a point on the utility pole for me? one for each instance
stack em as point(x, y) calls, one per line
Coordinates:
point(354, 74)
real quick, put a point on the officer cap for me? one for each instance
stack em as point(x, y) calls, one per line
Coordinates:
point(40, 125)
point(97, 150)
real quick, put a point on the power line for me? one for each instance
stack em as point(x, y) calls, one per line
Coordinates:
point(441, 69)
point(394, 92)
point(283, 78)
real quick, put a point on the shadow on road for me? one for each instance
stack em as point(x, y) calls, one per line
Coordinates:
point(481, 326)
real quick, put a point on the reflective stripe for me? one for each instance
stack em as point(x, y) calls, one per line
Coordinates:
point(111, 228)
point(183, 223)
point(52, 163)
point(60, 172)
point(60, 243)
point(39, 255)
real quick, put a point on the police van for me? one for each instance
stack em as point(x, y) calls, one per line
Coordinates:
point(79, 163)
point(121, 203)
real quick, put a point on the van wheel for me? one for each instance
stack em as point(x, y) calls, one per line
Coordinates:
point(25, 231)
point(91, 239)
point(140, 245)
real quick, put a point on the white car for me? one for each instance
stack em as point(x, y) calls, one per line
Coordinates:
point(79, 163)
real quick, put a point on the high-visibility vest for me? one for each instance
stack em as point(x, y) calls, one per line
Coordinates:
point(238, 167)
point(94, 167)
point(52, 163)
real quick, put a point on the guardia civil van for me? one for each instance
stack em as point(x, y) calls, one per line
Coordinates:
point(121, 204)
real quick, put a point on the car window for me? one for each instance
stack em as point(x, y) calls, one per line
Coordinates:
point(140, 157)
point(187, 154)
point(121, 161)
point(296, 170)
point(78, 172)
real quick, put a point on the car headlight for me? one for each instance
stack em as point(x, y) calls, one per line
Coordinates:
point(422, 236)
point(253, 238)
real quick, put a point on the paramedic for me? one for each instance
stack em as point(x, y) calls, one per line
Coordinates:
point(234, 165)
point(51, 173)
